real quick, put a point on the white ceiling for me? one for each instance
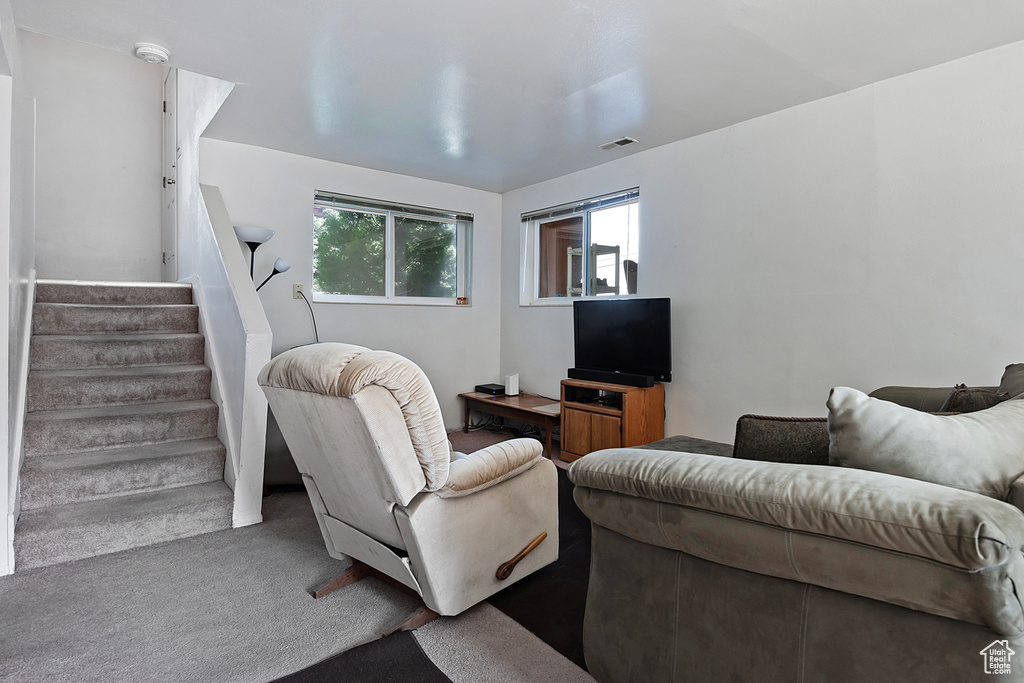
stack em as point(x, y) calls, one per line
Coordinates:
point(502, 95)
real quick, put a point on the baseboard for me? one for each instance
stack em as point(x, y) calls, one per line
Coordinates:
point(7, 567)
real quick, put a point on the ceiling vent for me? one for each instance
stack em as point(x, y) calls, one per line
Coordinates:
point(152, 54)
point(621, 142)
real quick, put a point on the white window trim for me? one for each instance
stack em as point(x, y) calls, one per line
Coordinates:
point(463, 251)
point(529, 256)
point(323, 298)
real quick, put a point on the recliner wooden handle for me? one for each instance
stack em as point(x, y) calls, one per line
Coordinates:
point(505, 570)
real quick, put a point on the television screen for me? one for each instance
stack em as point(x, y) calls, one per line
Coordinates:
point(625, 336)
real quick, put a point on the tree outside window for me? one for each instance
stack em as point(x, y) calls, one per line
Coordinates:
point(348, 252)
point(365, 254)
point(425, 263)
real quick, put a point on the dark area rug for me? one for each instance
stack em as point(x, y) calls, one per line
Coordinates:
point(550, 602)
point(395, 659)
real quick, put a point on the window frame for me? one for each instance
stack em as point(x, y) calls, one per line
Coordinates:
point(463, 251)
point(529, 244)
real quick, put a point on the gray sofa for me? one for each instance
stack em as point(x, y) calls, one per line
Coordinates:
point(773, 565)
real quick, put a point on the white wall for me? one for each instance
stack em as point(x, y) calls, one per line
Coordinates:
point(866, 239)
point(8, 464)
point(8, 32)
point(8, 486)
point(98, 183)
point(17, 155)
point(457, 346)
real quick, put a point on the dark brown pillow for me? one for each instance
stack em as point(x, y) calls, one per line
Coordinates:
point(966, 399)
point(801, 440)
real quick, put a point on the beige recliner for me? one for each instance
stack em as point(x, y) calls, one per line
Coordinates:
point(366, 433)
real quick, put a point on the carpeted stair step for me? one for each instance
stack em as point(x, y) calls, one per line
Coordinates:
point(69, 389)
point(77, 477)
point(102, 319)
point(60, 351)
point(67, 431)
point(130, 293)
point(64, 533)
point(120, 437)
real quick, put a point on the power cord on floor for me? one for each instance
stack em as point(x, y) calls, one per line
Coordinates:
point(490, 423)
point(316, 335)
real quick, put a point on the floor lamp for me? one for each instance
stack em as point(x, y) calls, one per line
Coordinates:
point(280, 266)
point(253, 238)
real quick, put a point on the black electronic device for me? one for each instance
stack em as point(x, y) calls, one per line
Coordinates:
point(623, 341)
point(493, 389)
point(627, 378)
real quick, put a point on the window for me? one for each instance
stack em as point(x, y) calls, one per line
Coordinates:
point(369, 251)
point(583, 249)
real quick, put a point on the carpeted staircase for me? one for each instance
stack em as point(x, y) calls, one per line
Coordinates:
point(120, 439)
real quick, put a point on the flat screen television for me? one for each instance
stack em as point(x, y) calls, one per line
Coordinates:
point(623, 341)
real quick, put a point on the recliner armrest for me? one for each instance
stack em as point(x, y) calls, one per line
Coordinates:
point(489, 466)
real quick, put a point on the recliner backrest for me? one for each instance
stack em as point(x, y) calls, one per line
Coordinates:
point(415, 397)
point(365, 425)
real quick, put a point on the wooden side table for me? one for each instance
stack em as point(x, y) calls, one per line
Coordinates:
point(529, 408)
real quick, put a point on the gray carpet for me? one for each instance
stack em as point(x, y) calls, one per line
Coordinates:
point(226, 606)
point(234, 605)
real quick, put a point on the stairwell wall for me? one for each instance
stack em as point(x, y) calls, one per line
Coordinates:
point(7, 464)
point(17, 180)
point(236, 328)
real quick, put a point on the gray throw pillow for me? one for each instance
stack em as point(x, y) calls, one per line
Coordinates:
point(801, 440)
point(981, 451)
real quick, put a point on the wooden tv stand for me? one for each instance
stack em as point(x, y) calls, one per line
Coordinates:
point(598, 415)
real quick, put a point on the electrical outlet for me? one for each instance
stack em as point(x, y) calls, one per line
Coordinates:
point(297, 292)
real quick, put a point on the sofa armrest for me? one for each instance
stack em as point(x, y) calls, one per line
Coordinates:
point(955, 527)
point(488, 466)
point(920, 545)
point(925, 399)
point(1015, 495)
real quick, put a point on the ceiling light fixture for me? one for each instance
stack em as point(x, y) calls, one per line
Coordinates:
point(621, 142)
point(152, 54)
